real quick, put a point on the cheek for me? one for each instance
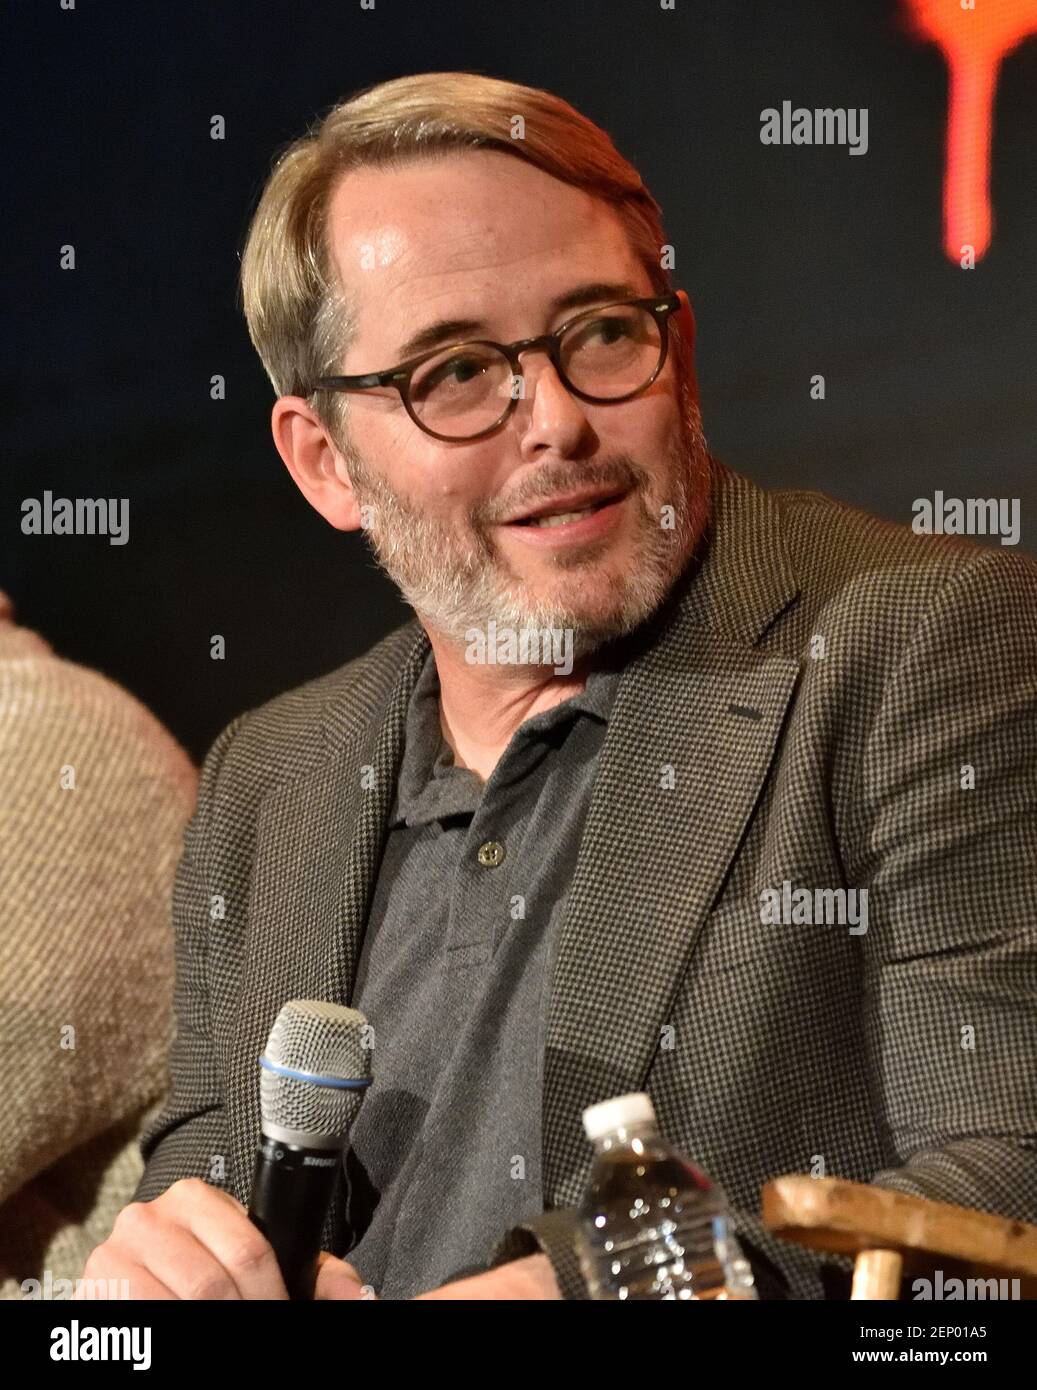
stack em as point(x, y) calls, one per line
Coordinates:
point(440, 482)
point(643, 433)
point(387, 433)
point(452, 481)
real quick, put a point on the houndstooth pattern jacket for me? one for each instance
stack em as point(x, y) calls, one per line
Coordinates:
point(805, 710)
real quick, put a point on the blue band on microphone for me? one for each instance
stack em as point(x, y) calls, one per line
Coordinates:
point(339, 1083)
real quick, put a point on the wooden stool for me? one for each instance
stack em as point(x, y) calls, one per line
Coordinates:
point(893, 1234)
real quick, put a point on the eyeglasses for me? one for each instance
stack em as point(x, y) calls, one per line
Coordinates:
point(603, 355)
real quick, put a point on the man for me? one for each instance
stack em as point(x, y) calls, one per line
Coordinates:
point(551, 881)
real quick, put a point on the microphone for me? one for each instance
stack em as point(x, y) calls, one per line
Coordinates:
point(314, 1074)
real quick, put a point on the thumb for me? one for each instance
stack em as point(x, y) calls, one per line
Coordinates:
point(336, 1279)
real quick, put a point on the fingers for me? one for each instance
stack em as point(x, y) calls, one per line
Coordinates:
point(132, 1281)
point(219, 1222)
point(174, 1256)
point(530, 1277)
point(337, 1279)
point(191, 1242)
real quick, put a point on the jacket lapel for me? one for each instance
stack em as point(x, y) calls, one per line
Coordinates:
point(704, 700)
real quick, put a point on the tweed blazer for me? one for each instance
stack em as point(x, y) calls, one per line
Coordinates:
point(825, 701)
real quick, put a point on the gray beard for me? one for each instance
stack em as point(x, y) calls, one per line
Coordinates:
point(457, 584)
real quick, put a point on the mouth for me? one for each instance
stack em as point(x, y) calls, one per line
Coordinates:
point(566, 510)
point(566, 521)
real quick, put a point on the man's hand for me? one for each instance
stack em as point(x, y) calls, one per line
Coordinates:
point(529, 1278)
point(337, 1279)
point(194, 1241)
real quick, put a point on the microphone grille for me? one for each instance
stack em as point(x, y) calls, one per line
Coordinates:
point(327, 1042)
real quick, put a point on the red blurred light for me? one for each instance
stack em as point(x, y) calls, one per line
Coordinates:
point(973, 41)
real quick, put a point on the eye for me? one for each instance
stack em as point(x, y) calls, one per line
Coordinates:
point(454, 371)
point(459, 369)
point(603, 332)
point(611, 329)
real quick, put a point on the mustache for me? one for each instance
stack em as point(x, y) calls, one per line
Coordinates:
point(621, 473)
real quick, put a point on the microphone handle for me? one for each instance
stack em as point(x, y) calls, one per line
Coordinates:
point(291, 1194)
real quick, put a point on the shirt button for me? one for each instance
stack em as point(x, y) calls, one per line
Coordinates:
point(491, 854)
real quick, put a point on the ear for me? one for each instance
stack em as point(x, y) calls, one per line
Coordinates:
point(316, 465)
point(686, 321)
point(685, 324)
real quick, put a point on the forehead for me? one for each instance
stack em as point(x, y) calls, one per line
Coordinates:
point(470, 234)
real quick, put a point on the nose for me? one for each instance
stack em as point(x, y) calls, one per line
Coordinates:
point(531, 378)
point(547, 415)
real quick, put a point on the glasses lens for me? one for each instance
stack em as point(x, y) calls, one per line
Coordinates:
point(613, 352)
point(462, 391)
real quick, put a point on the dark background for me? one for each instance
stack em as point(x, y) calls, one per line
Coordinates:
point(798, 260)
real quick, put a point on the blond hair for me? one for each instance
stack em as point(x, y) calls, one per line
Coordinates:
point(300, 319)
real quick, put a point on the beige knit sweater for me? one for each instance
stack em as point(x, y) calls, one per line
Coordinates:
point(94, 795)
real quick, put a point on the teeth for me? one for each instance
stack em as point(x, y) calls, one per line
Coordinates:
point(562, 517)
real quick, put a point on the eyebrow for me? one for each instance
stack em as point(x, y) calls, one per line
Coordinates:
point(458, 330)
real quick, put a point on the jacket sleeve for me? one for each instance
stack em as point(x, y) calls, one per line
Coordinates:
point(950, 857)
point(554, 1234)
point(189, 1136)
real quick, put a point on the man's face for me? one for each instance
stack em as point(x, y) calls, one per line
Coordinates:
point(482, 236)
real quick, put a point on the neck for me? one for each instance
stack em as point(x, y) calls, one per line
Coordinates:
point(481, 705)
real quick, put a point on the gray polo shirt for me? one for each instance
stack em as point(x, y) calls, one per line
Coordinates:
point(454, 976)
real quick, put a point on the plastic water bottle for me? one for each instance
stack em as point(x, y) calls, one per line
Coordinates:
point(651, 1224)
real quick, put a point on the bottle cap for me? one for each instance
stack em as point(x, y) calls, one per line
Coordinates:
point(622, 1112)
